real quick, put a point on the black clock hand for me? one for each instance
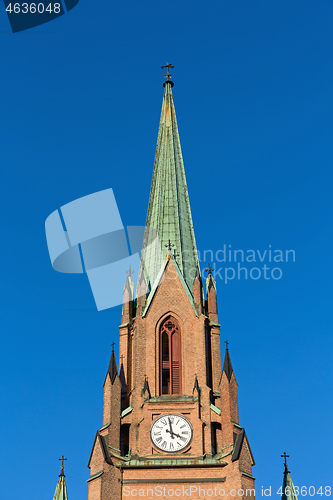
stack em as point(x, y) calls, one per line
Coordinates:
point(171, 432)
point(177, 435)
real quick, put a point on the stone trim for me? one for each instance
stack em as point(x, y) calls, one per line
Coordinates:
point(215, 408)
point(246, 474)
point(95, 476)
point(105, 426)
point(182, 480)
point(126, 411)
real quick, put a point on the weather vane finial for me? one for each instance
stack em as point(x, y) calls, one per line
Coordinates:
point(62, 463)
point(129, 272)
point(169, 246)
point(209, 270)
point(168, 76)
point(285, 456)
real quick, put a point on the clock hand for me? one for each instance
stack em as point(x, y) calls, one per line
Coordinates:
point(177, 435)
point(171, 432)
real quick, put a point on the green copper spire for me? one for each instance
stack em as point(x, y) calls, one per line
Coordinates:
point(288, 488)
point(169, 212)
point(61, 490)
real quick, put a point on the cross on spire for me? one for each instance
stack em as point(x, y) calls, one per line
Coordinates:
point(169, 246)
point(285, 456)
point(62, 462)
point(129, 272)
point(167, 76)
point(226, 344)
point(209, 270)
point(113, 344)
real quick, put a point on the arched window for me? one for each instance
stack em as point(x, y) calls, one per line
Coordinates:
point(170, 357)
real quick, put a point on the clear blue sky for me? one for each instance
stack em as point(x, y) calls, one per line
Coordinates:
point(80, 105)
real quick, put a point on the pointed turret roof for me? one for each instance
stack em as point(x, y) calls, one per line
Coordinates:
point(288, 489)
point(227, 366)
point(112, 370)
point(169, 212)
point(61, 489)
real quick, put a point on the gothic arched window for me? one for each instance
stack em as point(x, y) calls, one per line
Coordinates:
point(170, 357)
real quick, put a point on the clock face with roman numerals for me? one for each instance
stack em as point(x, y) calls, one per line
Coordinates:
point(171, 432)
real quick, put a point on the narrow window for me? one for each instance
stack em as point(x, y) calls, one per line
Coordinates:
point(124, 439)
point(165, 364)
point(170, 357)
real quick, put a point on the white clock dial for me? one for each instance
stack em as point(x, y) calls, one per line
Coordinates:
point(171, 432)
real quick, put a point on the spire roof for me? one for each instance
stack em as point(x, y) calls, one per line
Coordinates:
point(288, 488)
point(169, 212)
point(227, 366)
point(112, 370)
point(61, 489)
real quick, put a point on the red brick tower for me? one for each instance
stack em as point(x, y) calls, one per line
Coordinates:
point(170, 418)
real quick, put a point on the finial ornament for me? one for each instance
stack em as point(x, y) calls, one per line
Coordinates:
point(167, 76)
point(226, 344)
point(285, 456)
point(62, 463)
point(209, 270)
point(113, 344)
point(130, 272)
point(169, 246)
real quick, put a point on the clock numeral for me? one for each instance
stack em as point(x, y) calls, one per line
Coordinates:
point(179, 445)
point(171, 446)
point(157, 427)
point(182, 426)
point(164, 422)
point(177, 422)
point(158, 440)
point(157, 433)
point(163, 445)
point(172, 420)
point(183, 439)
point(184, 432)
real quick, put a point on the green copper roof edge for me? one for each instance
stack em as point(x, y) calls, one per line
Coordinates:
point(105, 426)
point(126, 411)
point(246, 474)
point(95, 476)
point(228, 446)
point(147, 464)
point(237, 425)
point(215, 408)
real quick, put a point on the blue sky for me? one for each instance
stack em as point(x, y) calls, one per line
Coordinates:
point(80, 100)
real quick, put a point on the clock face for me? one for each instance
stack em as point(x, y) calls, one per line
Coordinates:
point(171, 432)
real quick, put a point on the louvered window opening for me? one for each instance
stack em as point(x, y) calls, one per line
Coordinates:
point(170, 357)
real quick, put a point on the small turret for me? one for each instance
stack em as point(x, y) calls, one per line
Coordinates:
point(288, 488)
point(141, 294)
point(197, 291)
point(61, 489)
point(229, 398)
point(211, 296)
point(112, 401)
point(128, 295)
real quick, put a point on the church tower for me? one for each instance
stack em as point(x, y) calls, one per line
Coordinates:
point(170, 417)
